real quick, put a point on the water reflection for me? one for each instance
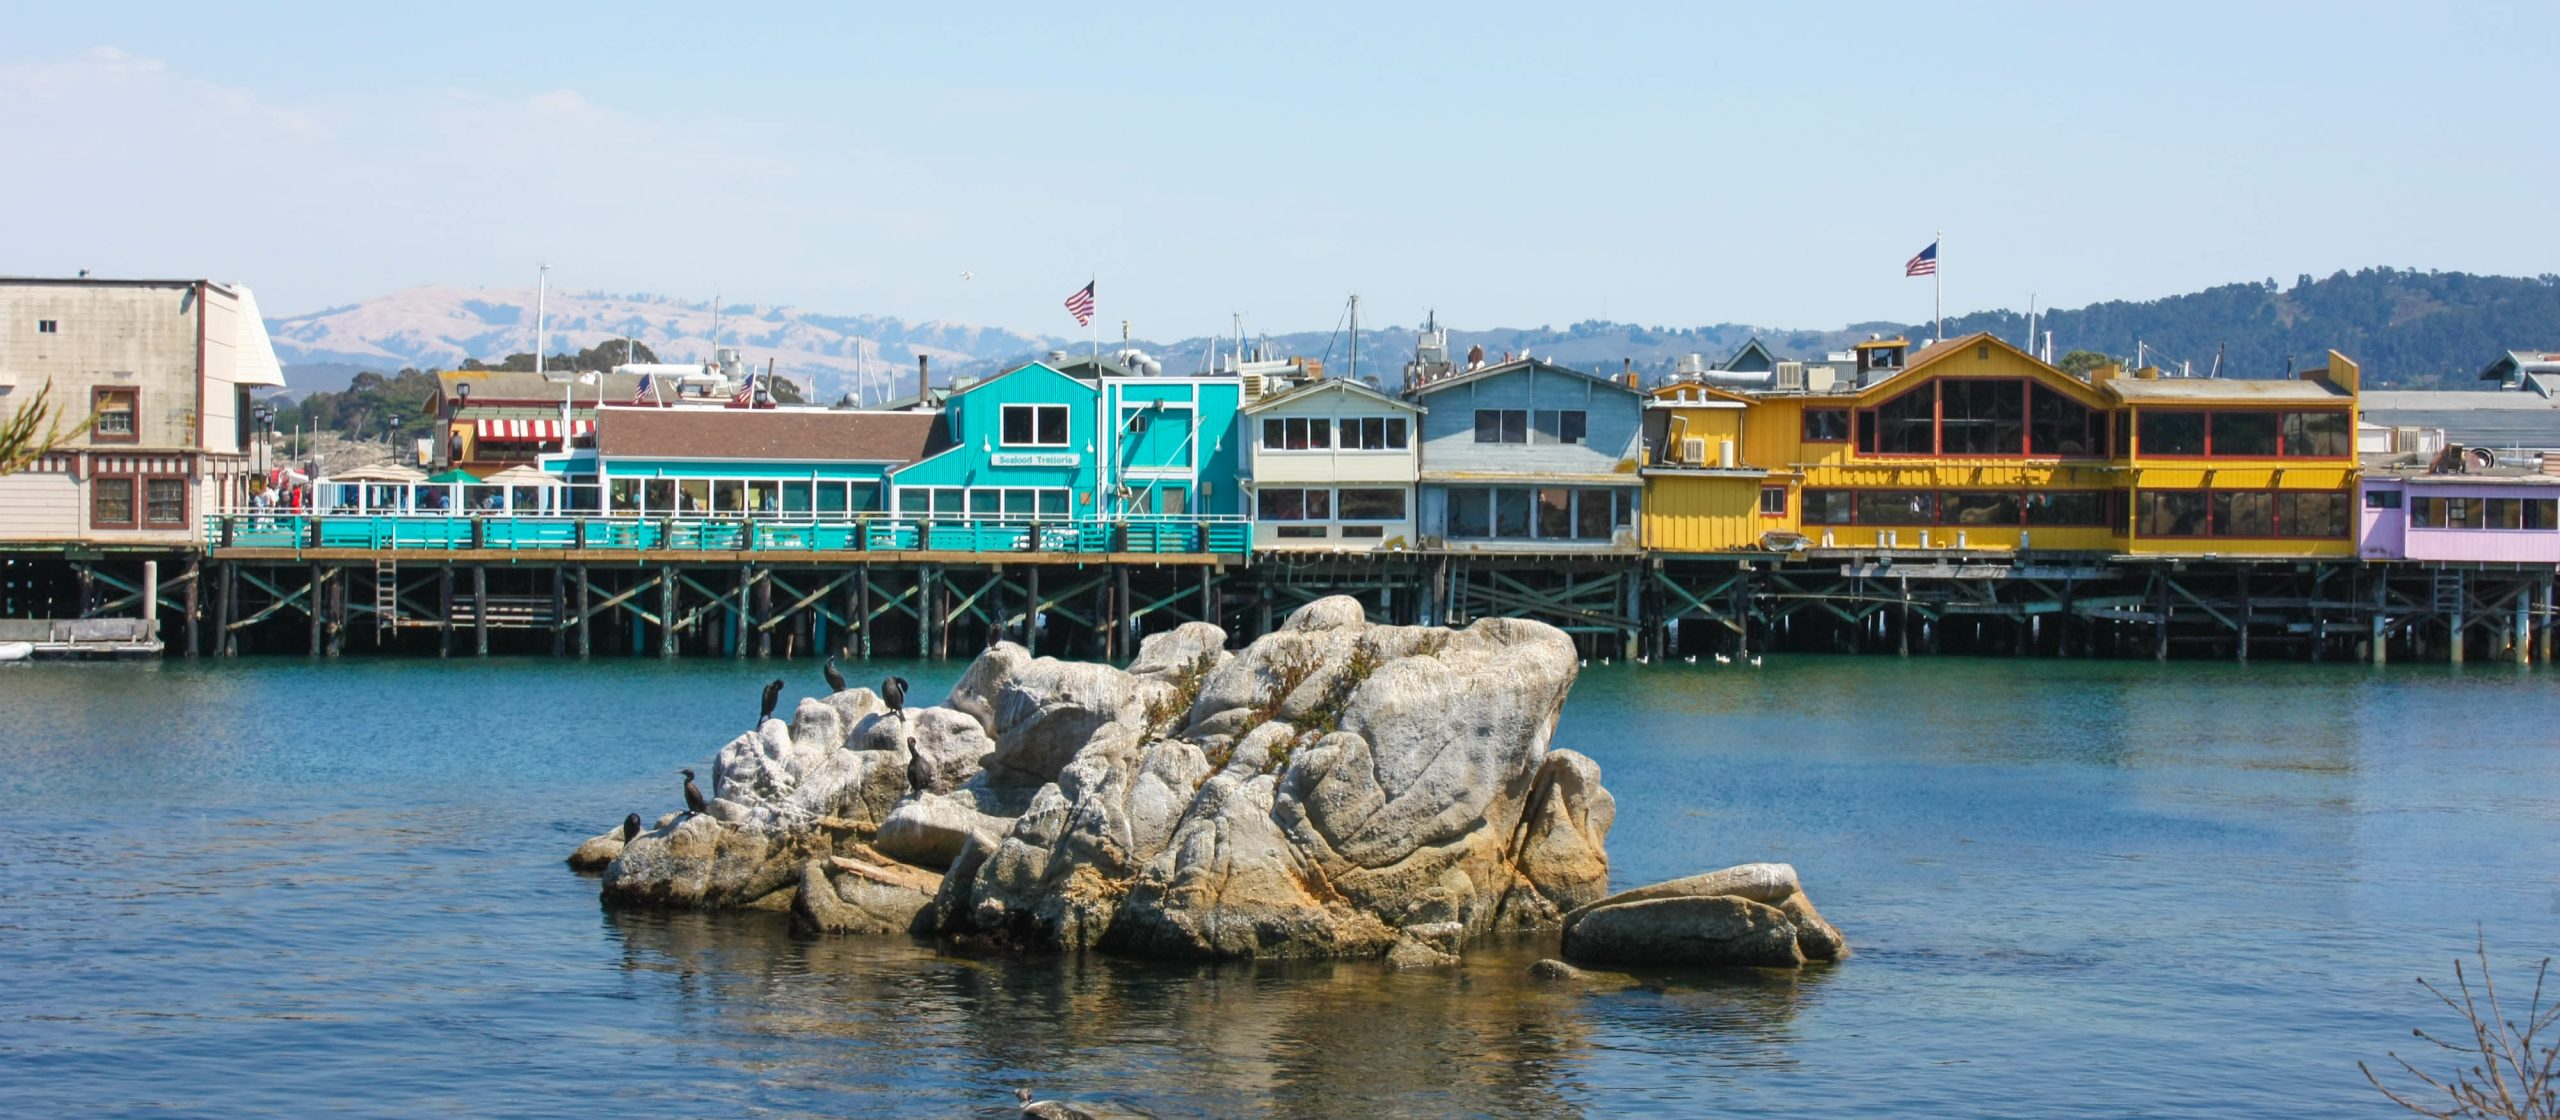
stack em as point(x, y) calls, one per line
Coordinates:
point(1262, 1038)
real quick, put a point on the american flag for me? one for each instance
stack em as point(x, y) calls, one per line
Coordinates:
point(746, 394)
point(1926, 264)
point(641, 395)
point(1080, 304)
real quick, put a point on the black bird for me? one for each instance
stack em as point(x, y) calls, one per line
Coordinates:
point(835, 680)
point(693, 802)
point(1049, 1110)
point(631, 825)
point(893, 692)
point(772, 695)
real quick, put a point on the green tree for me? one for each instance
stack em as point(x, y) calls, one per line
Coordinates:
point(2082, 363)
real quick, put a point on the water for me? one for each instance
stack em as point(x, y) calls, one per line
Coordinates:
point(2075, 888)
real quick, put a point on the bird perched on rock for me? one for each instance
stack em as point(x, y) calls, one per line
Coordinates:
point(1722, 659)
point(631, 825)
point(1049, 1110)
point(835, 680)
point(893, 692)
point(1755, 661)
point(693, 800)
point(772, 695)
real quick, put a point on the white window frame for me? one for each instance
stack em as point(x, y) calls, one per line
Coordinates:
point(1066, 425)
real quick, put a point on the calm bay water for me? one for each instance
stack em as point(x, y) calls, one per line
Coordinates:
point(2075, 889)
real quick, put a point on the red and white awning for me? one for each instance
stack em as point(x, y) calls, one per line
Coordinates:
point(526, 431)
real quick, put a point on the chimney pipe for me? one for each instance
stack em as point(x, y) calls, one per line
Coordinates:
point(924, 373)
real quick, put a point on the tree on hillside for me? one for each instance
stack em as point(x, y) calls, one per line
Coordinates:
point(603, 356)
point(2081, 363)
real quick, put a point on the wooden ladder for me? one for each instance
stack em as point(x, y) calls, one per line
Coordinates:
point(386, 593)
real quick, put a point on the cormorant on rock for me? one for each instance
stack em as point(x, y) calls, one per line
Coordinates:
point(772, 694)
point(631, 826)
point(693, 801)
point(1049, 1110)
point(893, 692)
point(835, 680)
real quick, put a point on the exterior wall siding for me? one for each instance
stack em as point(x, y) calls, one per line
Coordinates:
point(1610, 455)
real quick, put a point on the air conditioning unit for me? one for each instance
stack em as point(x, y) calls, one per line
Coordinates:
point(1821, 379)
point(1693, 450)
point(1791, 375)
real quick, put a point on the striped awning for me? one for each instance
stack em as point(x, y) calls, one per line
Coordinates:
point(138, 464)
point(530, 431)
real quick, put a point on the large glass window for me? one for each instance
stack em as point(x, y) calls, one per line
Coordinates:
point(2301, 514)
point(2058, 425)
point(625, 495)
point(2245, 434)
point(1297, 433)
point(1511, 512)
point(985, 503)
point(2172, 433)
point(1371, 505)
point(1907, 425)
point(1294, 505)
point(2316, 433)
point(1895, 507)
point(1827, 507)
point(659, 496)
point(119, 416)
point(2085, 508)
point(1035, 425)
point(1591, 517)
point(2170, 513)
point(1826, 425)
point(1470, 512)
point(1978, 507)
point(693, 495)
point(1561, 425)
point(1373, 433)
point(1502, 425)
point(1983, 417)
point(2244, 513)
point(1555, 513)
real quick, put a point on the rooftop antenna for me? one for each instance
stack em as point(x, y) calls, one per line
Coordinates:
point(2031, 321)
point(541, 284)
point(715, 325)
point(1355, 336)
point(2217, 360)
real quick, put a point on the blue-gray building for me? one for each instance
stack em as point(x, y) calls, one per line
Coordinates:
point(1530, 456)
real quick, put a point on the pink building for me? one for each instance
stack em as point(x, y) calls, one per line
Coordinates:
point(2489, 513)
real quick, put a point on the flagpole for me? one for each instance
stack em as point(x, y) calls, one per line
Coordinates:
point(1938, 290)
point(1095, 323)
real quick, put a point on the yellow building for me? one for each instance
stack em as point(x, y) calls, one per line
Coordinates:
point(2225, 467)
point(1972, 444)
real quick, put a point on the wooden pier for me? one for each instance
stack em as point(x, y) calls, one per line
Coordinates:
point(637, 597)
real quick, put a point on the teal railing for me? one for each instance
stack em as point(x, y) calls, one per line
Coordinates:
point(509, 533)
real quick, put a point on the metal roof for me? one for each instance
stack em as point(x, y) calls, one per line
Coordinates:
point(2224, 390)
point(1514, 365)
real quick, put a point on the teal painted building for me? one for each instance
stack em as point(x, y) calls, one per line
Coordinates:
point(1175, 448)
point(1020, 446)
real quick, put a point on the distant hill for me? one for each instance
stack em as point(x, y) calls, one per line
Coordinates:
point(438, 327)
point(2406, 328)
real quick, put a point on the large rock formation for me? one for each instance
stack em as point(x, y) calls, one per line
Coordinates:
point(1336, 789)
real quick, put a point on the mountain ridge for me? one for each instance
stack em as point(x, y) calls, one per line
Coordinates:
point(2405, 327)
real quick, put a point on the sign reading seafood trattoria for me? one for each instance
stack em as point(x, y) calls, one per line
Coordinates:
point(1034, 459)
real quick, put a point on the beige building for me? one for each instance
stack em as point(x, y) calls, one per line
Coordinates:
point(1332, 465)
point(169, 366)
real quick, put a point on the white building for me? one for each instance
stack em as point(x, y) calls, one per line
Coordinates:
point(1332, 466)
point(168, 366)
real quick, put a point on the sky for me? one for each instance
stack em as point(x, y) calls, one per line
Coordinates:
point(1506, 165)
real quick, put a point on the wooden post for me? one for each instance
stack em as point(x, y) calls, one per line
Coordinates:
point(2160, 616)
point(319, 616)
point(941, 612)
point(337, 630)
point(1905, 642)
point(195, 575)
point(559, 611)
point(2377, 623)
point(2548, 605)
point(764, 613)
point(667, 612)
point(2245, 611)
point(862, 609)
point(738, 618)
point(1031, 610)
point(1121, 630)
point(226, 640)
point(586, 609)
point(480, 610)
point(1206, 613)
point(444, 598)
point(2522, 636)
